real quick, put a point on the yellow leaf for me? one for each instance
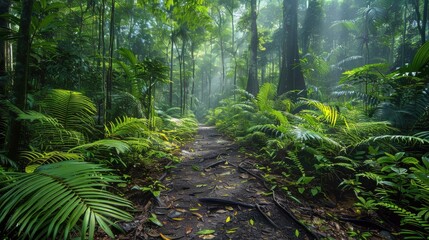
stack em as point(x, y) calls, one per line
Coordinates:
point(229, 208)
point(228, 219)
point(178, 219)
point(252, 222)
point(164, 237)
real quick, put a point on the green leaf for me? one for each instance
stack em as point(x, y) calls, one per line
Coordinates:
point(154, 220)
point(205, 232)
point(252, 222)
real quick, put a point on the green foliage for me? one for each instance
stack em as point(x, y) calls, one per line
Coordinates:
point(72, 110)
point(60, 198)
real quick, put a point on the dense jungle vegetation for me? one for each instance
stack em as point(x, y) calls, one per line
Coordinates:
point(98, 96)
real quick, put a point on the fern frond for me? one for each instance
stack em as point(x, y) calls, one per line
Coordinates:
point(126, 127)
point(265, 97)
point(36, 159)
point(73, 110)
point(404, 139)
point(409, 218)
point(305, 135)
point(292, 156)
point(329, 113)
point(269, 129)
point(119, 146)
point(5, 161)
point(244, 93)
point(366, 98)
point(59, 197)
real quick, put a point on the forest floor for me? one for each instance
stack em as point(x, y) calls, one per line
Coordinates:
point(217, 192)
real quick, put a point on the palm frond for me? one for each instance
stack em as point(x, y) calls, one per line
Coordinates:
point(72, 109)
point(128, 55)
point(126, 127)
point(5, 161)
point(36, 159)
point(57, 198)
point(48, 134)
point(119, 146)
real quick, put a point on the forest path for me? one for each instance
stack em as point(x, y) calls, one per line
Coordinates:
point(198, 191)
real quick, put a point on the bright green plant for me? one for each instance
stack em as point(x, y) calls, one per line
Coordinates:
point(61, 199)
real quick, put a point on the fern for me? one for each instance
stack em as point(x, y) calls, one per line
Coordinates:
point(305, 135)
point(57, 198)
point(5, 161)
point(265, 97)
point(409, 218)
point(366, 98)
point(119, 146)
point(72, 110)
point(404, 139)
point(292, 156)
point(126, 127)
point(329, 113)
point(36, 159)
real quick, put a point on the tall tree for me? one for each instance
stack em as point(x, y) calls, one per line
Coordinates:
point(291, 76)
point(252, 81)
point(19, 90)
point(4, 9)
point(421, 20)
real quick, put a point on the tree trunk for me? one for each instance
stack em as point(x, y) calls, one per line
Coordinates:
point(291, 76)
point(109, 79)
point(252, 82)
point(222, 51)
point(421, 23)
point(193, 74)
point(425, 20)
point(19, 89)
point(4, 9)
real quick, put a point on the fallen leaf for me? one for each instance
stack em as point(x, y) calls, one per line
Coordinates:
point(229, 208)
point(228, 219)
point(155, 220)
point(164, 237)
point(201, 185)
point(244, 176)
point(205, 232)
point(252, 222)
point(232, 230)
point(198, 215)
point(178, 219)
point(194, 209)
point(188, 230)
point(225, 173)
point(208, 236)
point(221, 211)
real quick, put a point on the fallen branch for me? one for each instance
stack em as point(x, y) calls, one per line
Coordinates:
point(267, 217)
point(215, 164)
point(291, 215)
point(225, 202)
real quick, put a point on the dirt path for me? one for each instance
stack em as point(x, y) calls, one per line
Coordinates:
point(198, 192)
